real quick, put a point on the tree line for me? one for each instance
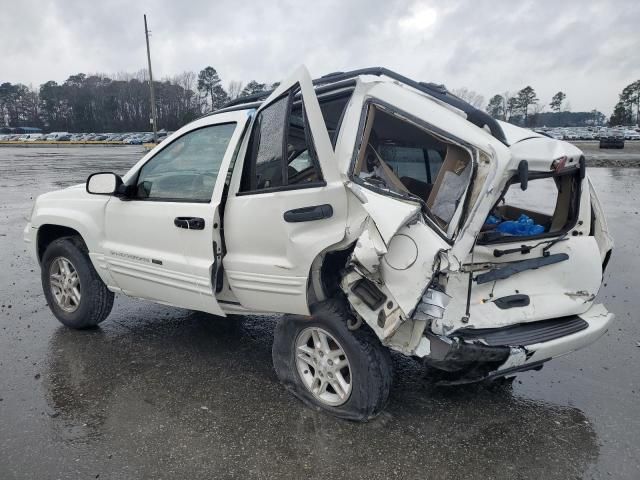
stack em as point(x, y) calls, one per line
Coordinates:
point(629, 101)
point(524, 108)
point(101, 103)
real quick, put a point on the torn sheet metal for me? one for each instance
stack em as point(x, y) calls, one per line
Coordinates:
point(411, 263)
point(402, 252)
point(369, 249)
point(516, 358)
point(432, 305)
point(388, 213)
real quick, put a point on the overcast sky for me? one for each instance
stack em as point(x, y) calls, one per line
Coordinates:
point(588, 49)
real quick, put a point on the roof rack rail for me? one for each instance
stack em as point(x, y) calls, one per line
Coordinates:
point(439, 92)
point(474, 115)
point(263, 95)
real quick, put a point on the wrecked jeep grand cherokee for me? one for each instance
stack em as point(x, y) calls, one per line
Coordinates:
point(377, 212)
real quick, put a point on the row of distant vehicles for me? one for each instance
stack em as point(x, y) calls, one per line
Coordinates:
point(133, 138)
point(608, 137)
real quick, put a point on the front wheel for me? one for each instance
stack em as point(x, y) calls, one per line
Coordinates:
point(329, 367)
point(75, 293)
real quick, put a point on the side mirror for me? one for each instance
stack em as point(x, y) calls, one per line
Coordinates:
point(103, 183)
point(523, 174)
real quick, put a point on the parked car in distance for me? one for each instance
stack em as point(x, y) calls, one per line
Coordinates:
point(53, 136)
point(612, 139)
point(135, 139)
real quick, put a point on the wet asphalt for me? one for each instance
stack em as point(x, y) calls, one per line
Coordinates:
point(159, 392)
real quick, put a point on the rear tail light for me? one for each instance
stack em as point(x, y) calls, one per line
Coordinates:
point(559, 163)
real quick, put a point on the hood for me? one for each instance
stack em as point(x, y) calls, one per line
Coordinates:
point(66, 199)
point(71, 192)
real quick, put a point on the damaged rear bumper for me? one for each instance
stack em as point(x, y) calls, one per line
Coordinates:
point(486, 354)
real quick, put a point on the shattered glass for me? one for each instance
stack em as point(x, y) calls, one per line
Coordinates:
point(269, 134)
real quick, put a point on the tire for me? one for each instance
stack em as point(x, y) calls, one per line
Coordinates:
point(369, 363)
point(94, 302)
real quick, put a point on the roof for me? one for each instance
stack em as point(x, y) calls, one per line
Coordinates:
point(339, 80)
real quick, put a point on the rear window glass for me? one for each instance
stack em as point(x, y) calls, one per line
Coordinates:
point(540, 195)
point(402, 158)
point(548, 207)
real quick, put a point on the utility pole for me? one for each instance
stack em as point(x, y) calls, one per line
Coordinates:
point(154, 117)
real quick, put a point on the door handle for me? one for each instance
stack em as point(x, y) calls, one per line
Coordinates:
point(512, 301)
point(308, 214)
point(190, 223)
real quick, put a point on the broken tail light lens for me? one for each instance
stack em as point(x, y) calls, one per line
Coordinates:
point(559, 164)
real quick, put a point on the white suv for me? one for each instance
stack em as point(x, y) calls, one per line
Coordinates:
point(377, 212)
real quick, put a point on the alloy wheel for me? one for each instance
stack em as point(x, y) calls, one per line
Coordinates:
point(323, 366)
point(65, 284)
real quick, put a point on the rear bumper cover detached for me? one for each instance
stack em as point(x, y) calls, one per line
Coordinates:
point(492, 353)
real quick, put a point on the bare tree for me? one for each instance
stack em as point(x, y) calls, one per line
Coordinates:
point(186, 80)
point(234, 89)
point(469, 96)
point(506, 96)
point(537, 108)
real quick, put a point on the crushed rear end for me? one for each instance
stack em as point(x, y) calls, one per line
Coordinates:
point(485, 280)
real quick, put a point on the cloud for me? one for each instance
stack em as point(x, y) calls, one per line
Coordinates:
point(418, 20)
point(590, 50)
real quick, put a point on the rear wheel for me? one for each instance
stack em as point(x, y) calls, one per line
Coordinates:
point(75, 293)
point(323, 366)
point(329, 367)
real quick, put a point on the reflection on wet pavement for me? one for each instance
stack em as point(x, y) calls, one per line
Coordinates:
point(171, 383)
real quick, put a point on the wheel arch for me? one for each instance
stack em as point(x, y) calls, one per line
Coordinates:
point(48, 233)
point(326, 273)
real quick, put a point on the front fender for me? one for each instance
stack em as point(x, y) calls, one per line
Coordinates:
point(73, 208)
